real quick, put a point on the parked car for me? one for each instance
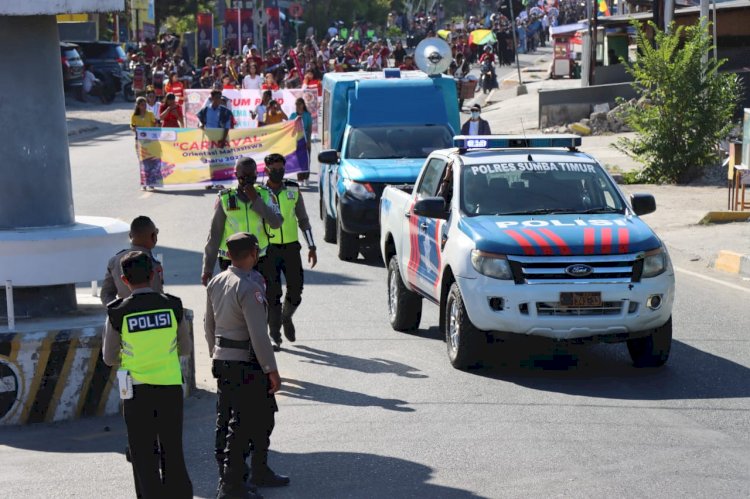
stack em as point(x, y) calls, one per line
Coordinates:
point(108, 60)
point(72, 65)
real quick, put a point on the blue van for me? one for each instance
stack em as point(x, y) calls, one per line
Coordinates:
point(377, 130)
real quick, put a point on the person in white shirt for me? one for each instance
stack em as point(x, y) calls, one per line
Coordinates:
point(249, 45)
point(252, 81)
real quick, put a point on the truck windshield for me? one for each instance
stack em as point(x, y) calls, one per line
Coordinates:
point(517, 188)
point(396, 141)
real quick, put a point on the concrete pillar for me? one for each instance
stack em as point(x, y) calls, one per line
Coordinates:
point(35, 185)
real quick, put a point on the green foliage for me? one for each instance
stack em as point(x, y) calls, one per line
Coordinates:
point(394, 33)
point(686, 108)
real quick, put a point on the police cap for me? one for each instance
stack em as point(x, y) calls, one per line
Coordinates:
point(241, 242)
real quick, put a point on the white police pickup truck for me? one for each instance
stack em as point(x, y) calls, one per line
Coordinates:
point(527, 236)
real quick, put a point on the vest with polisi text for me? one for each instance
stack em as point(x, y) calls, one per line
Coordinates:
point(147, 323)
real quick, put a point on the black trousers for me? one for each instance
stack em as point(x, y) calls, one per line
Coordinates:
point(154, 414)
point(244, 415)
point(282, 259)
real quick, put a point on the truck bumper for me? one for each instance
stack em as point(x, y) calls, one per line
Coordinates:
point(359, 216)
point(535, 310)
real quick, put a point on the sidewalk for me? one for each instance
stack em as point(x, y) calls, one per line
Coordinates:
point(92, 116)
point(679, 208)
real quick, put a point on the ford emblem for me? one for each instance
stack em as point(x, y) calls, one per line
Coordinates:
point(578, 270)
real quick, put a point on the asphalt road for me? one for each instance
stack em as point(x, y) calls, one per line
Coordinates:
point(368, 412)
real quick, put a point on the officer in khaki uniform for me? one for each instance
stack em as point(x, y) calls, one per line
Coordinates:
point(283, 255)
point(245, 368)
point(247, 208)
point(143, 237)
point(145, 333)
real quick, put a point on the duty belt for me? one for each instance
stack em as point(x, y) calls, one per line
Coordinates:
point(227, 343)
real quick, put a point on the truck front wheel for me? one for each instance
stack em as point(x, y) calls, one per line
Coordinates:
point(461, 336)
point(404, 306)
point(652, 350)
point(348, 243)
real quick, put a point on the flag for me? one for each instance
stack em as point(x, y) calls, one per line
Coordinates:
point(604, 8)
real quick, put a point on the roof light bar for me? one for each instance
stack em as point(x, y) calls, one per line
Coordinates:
point(515, 141)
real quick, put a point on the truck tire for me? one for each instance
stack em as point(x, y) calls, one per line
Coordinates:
point(652, 350)
point(329, 229)
point(348, 243)
point(404, 306)
point(461, 336)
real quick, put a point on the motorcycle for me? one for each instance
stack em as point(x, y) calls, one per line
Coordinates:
point(126, 84)
point(489, 78)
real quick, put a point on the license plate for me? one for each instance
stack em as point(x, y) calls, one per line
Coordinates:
point(584, 299)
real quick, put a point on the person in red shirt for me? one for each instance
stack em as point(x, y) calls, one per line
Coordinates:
point(270, 83)
point(176, 87)
point(227, 83)
point(253, 57)
point(171, 114)
point(312, 83)
point(408, 64)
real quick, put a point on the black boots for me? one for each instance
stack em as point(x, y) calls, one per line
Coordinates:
point(286, 320)
point(274, 326)
point(262, 475)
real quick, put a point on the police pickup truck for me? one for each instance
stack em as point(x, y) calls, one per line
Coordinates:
point(526, 236)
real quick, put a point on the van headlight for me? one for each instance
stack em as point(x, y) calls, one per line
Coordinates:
point(655, 263)
point(359, 190)
point(491, 265)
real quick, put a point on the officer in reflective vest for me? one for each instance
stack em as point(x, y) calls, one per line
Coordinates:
point(247, 208)
point(146, 332)
point(283, 255)
point(245, 369)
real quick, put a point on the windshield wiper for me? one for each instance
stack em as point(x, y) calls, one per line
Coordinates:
point(601, 209)
point(538, 211)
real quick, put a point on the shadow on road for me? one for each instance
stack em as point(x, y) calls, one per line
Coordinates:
point(316, 277)
point(368, 366)
point(305, 390)
point(357, 475)
point(181, 266)
point(89, 132)
point(606, 371)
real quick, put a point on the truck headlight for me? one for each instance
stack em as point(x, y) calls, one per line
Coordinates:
point(359, 190)
point(491, 265)
point(655, 263)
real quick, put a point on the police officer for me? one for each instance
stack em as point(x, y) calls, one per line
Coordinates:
point(247, 208)
point(283, 255)
point(143, 237)
point(145, 333)
point(245, 368)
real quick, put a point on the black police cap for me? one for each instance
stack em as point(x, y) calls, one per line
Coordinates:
point(242, 241)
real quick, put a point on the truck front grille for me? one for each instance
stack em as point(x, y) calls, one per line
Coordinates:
point(552, 269)
point(555, 309)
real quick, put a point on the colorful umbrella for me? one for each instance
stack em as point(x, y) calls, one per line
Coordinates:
point(444, 33)
point(482, 37)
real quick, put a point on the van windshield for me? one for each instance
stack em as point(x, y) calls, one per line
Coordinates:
point(389, 142)
point(517, 188)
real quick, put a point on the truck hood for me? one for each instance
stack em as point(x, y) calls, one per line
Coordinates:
point(565, 234)
point(391, 171)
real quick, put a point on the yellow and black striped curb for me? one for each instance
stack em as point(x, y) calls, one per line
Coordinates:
point(58, 375)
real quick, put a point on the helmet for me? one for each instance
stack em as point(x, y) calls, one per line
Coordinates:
point(487, 48)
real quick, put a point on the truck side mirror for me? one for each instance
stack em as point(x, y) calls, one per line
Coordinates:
point(433, 207)
point(328, 157)
point(643, 204)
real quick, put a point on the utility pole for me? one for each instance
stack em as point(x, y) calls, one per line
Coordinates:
point(521, 89)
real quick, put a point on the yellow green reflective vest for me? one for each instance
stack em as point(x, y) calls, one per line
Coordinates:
point(242, 218)
point(288, 232)
point(149, 337)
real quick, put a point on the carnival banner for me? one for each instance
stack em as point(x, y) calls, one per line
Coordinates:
point(189, 157)
point(244, 102)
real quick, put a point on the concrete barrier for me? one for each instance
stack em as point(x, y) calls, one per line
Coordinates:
point(54, 374)
point(560, 107)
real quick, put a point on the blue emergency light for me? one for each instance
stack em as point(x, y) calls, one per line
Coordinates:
point(464, 142)
point(392, 73)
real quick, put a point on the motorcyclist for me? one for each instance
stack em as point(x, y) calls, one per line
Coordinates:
point(487, 67)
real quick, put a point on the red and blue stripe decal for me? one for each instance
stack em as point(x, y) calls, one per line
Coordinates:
point(543, 241)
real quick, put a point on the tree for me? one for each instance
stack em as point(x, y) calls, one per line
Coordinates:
point(686, 107)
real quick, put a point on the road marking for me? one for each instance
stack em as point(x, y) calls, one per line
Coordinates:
point(712, 279)
point(146, 194)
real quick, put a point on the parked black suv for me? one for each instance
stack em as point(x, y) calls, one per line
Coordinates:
point(72, 65)
point(107, 58)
